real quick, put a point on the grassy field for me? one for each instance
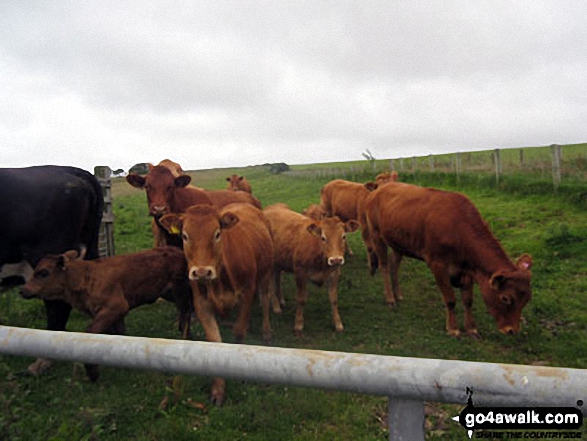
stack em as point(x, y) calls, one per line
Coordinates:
point(128, 404)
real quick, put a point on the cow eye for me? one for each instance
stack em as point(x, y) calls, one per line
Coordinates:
point(344, 236)
point(42, 274)
point(217, 235)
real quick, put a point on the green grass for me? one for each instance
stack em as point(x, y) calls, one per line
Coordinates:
point(130, 404)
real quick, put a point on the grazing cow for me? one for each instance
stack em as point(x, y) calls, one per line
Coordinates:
point(107, 289)
point(238, 183)
point(315, 211)
point(446, 230)
point(311, 250)
point(46, 210)
point(229, 256)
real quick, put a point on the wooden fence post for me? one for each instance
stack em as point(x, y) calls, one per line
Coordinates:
point(106, 238)
point(391, 164)
point(431, 162)
point(497, 160)
point(556, 164)
point(458, 165)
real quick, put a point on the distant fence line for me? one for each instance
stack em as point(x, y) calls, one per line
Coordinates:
point(497, 162)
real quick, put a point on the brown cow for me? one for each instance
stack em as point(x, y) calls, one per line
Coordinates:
point(169, 194)
point(159, 236)
point(238, 183)
point(311, 250)
point(107, 289)
point(446, 230)
point(346, 200)
point(229, 254)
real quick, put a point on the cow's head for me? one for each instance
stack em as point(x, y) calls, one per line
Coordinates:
point(236, 183)
point(332, 234)
point(506, 292)
point(160, 185)
point(201, 229)
point(315, 211)
point(50, 279)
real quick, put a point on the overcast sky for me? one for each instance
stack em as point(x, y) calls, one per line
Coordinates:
point(235, 83)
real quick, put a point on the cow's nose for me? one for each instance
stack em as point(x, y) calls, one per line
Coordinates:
point(158, 210)
point(333, 261)
point(508, 330)
point(202, 273)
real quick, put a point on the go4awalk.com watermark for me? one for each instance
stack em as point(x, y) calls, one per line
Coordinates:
point(521, 423)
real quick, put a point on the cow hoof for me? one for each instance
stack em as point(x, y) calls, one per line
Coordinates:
point(391, 304)
point(339, 328)
point(92, 372)
point(40, 366)
point(217, 399)
point(454, 333)
point(277, 310)
point(298, 332)
point(474, 334)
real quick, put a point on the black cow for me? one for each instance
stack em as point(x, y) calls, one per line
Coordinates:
point(46, 210)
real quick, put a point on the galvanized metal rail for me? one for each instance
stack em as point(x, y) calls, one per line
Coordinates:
point(408, 382)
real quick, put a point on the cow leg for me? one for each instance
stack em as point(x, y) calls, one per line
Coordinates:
point(277, 299)
point(265, 294)
point(395, 263)
point(205, 313)
point(467, 298)
point(110, 321)
point(384, 267)
point(57, 315)
point(333, 296)
point(372, 261)
point(239, 329)
point(443, 281)
point(301, 297)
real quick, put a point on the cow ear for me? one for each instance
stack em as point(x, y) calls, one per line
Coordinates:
point(228, 220)
point(496, 280)
point(135, 180)
point(524, 262)
point(351, 226)
point(172, 223)
point(370, 185)
point(314, 229)
point(228, 179)
point(62, 261)
point(183, 181)
point(240, 178)
point(150, 166)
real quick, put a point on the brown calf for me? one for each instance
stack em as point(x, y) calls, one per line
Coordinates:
point(229, 254)
point(107, 289)
point(238, 183)
point(311, 250)
point(446, 230)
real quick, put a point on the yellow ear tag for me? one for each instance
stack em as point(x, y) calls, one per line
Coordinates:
point(174, 230)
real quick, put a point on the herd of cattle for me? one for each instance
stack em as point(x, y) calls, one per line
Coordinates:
point(216, 249)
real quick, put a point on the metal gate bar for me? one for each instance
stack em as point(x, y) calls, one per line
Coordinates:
point(408, 382)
